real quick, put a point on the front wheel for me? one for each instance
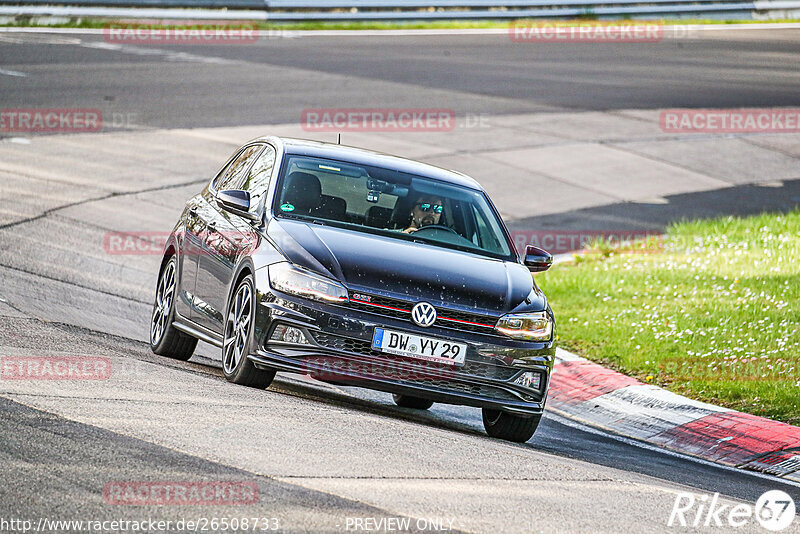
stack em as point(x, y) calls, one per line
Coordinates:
point(407, 401)
point(165, 339)
point(240, 318)
point(502, 425)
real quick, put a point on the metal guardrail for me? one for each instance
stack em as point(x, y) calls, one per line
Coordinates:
point(402, 10)
point(409, 4)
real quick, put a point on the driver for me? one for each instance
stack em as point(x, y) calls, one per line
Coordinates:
point(427, 210)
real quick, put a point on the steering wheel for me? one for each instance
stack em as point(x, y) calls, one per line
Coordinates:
point(436, 227)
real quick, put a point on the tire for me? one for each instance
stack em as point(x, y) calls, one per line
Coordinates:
point(502, 425)
point(165, 339)
point(237, 339)
point(417, 403)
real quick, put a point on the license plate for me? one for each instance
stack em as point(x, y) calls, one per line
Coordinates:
point(420, 347)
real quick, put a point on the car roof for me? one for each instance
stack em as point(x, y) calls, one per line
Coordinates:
point(306, 147)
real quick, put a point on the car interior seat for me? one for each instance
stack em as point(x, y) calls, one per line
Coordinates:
point(303, 191)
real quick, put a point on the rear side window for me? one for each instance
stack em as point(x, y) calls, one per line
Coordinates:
point(233, 176)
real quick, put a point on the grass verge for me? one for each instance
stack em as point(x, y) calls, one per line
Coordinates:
point(81, 22)
point(713, 314)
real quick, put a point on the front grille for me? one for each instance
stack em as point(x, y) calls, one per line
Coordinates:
point(380, 307)
point(466, 321)
point(446, 318)
point(364, 348)
point(356, 346)
point(473, 389)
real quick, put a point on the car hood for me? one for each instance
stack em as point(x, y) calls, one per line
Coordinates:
point(408, 270)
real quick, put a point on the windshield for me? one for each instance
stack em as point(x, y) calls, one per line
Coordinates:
point(378, 200)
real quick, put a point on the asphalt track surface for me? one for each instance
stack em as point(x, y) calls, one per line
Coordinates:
point(273, 79)
point(319, 454)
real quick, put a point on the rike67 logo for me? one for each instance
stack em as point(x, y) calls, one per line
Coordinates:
point(774, 511)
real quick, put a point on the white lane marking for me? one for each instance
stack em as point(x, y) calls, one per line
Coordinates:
point(37, 39)
point(565, 420)
point(167, 55)
point(8, 72)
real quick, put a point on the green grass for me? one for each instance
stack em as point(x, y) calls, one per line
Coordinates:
point(714, 314)
point(79, 22)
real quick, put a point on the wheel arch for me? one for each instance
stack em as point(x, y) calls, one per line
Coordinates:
point(245, 268)
point(169, 252)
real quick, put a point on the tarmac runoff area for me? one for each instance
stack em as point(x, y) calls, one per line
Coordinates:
point(64, 292)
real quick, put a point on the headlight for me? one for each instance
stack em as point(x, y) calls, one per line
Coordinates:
point(535, 326)
point(289, 279)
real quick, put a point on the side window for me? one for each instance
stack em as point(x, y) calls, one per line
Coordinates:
point(257, 181)
point(233, 175)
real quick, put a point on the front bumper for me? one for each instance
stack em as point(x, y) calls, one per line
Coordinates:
point(338, 350)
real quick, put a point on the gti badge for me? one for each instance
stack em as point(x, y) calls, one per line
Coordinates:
point(423, 314)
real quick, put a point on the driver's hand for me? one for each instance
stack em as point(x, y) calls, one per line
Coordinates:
point(410, 230)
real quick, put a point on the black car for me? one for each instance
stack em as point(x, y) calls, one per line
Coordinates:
point(361, 269)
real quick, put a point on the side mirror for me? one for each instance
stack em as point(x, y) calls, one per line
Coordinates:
point(537, 259)
point(237, 202)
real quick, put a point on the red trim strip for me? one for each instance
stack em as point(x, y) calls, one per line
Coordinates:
point(409, 311)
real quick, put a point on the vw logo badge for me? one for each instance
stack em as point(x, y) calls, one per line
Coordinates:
point(423, 314)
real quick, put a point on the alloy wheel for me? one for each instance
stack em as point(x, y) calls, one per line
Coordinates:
point(163, 304)
point(237, 328)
